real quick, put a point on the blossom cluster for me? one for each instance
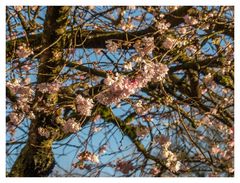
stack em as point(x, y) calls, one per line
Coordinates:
point(168, 155)
point(43, 132)
point(144, 46)
point(71, 126)
point(162, 26)
point(138, 107)
point(84, 105)
point(124, 166)
point(88, 156)
point(24, 95)
point(49, 87)
point(121, 87)
point(23, 51)
point(15, 118)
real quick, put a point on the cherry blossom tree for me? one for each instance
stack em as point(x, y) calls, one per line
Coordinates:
point(120, 91)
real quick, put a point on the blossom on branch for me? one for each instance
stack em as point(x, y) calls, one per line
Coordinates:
point(144, 46)
point(84, 105)
point(71, 126)
point(23, 51)
point(121, 87)
point(49, 87)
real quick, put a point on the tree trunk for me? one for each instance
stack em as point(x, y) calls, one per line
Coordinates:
point(36, 158)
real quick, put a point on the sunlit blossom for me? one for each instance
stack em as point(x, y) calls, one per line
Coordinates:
point(71, 126)
point(84, 105)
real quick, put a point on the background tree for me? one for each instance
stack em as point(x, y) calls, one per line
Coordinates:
point(120, 91)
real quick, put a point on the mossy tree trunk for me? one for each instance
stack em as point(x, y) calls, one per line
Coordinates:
point(36, 158)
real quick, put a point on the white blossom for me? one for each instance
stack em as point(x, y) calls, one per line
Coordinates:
point(84, 105)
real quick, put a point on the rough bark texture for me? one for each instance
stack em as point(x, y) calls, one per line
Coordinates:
point(36, 158)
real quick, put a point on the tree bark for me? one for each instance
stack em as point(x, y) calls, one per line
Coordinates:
point(36, 158)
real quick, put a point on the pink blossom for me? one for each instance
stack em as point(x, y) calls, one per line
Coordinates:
point(162, 26)
point(160, 70)
point(84, 105)
point(124, 166)
point(145, 46)
point(22, 103)
point(15, 118)
point(31, 115)
point(14, 85)
point(230, 170)
point(71, 126)
point(205, 26)
point(122, 87)
point(203, 90)
point(139, 108)
point(109, 80)
point(24, 93)
point(211, 15)
point(88, 156)
point(54, 87)
point(43, 132)
point(96, 118)
point(169, 155)
point(23, 51)
point(95, 158)
point(49, 87)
